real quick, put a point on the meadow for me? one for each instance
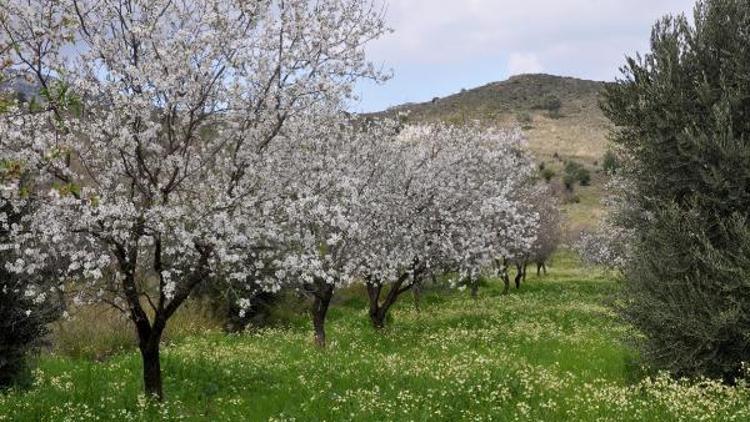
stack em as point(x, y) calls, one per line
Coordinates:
point(550, 351)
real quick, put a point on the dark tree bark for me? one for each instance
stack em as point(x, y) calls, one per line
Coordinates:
point(503, 268)
point(152, 383)
point(519, 275)
point(377, 311)
point(150, 331)
point(474, 286)
point(539, 267)
point(321, 302)
point(379, 308)
point(525, 266)
point(417, 293)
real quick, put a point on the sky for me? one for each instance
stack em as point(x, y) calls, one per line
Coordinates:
point(439, 47)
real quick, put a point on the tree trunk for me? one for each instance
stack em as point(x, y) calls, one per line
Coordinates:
point(519, 275)
point(544, 267)
point(377, 312)
point(417, 292)
point(538, 269)
point(525, 265)
point(321, 302)
point(378, 319)
point(506, 283)
point(152, 384)
point(474, 285)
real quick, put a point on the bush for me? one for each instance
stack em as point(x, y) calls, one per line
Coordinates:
point(569, 181)
point(549, 102)
point(576, 173)
point(610, 162)
point(681, 111)
point(525, 119)
point(548, 174)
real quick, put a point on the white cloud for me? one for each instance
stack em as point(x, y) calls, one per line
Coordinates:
point(446, 31)
point(519, 63)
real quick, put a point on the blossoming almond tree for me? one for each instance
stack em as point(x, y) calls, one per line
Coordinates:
point(450, 206)
point(361, 203)
point(327, 182)
point(141, 175)
point(610, 244)
point(549, 229)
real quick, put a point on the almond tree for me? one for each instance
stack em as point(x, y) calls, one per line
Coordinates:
point(142, 174)
point(547, 231)
point(451, 206)
point(328, 197)
point(365, 203)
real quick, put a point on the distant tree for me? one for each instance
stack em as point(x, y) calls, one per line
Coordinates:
point(455, 205)
point(552, 104)
point(682, 122)
point(548, 230)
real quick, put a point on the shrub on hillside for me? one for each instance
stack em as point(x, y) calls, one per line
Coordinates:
point(525, 119)
point(681, 111)
point(576, 173)
point(610, 162)
point(547, 174)
point(549, 102)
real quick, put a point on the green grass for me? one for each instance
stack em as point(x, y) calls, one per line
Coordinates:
point(549, 351)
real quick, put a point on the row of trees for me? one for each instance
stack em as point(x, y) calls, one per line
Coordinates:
point(185, 143)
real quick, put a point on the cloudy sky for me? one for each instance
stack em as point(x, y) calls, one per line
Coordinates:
point(441, 46)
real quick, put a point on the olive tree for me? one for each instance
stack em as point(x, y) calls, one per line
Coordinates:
point(681, 117)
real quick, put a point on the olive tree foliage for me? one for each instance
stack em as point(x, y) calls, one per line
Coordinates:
point(154, 183)
point(681, 114)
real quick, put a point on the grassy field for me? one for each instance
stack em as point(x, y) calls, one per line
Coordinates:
point(549, 351)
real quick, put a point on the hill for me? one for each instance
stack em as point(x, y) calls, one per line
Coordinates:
point(560, 117)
